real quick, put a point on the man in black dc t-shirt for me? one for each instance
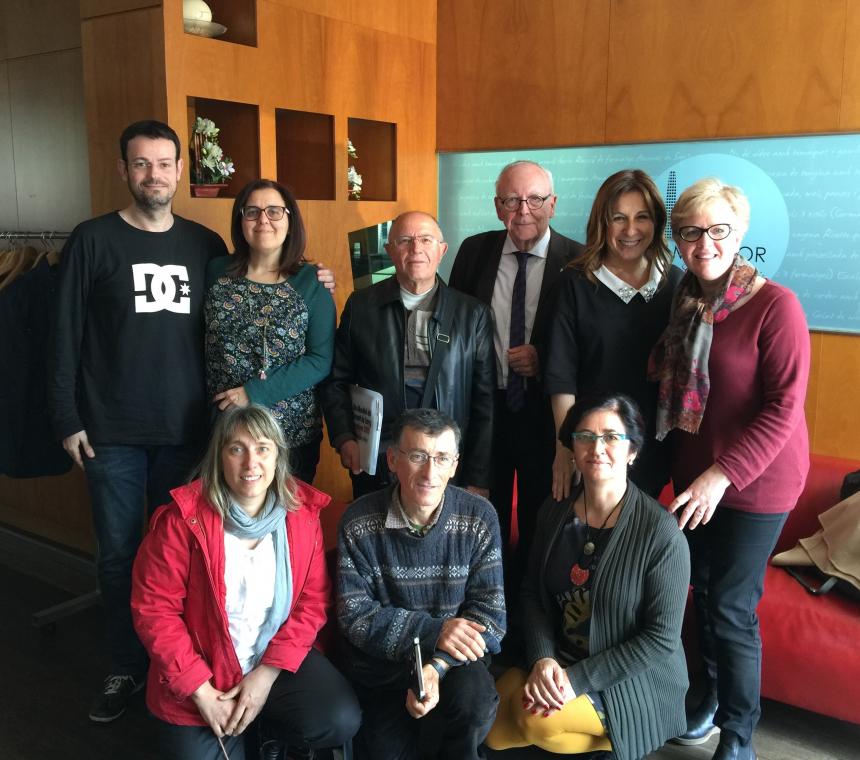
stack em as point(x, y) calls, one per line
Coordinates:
point(127, 387)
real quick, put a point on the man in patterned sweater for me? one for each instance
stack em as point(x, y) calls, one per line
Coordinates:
point(422, 559)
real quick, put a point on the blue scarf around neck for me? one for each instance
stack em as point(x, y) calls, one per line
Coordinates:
point(270, 519)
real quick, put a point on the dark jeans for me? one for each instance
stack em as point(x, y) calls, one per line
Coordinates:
point(524, 443)
point(304, 460)
point(728, 559)
point(457, 725)
point(122, 481)
point(315, 707)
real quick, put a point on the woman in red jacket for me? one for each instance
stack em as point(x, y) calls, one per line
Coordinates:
point(229, 592)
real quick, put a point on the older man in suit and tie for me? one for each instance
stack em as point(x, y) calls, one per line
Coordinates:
point(514, 271)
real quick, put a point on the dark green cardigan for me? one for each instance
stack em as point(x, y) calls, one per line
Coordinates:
point(638, 593)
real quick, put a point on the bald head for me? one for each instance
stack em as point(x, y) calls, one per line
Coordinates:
point(527, 166)
point(409, 218)
point(416, 247)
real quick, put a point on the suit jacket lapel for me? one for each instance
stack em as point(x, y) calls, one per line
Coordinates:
point(488, 266)
point(556, 258)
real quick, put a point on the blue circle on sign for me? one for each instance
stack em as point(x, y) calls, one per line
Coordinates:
point(766, 241)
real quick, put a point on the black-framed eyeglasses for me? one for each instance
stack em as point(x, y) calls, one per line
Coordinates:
point(275, 213)
point(584, 438)
point(534, 202)
point(691, 233)
point(420, 458)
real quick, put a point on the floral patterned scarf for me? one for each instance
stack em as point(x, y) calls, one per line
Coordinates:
point(679, 360)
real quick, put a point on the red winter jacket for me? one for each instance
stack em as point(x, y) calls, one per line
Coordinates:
point(178, 600)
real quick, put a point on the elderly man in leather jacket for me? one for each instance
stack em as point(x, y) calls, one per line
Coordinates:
point(421, 345)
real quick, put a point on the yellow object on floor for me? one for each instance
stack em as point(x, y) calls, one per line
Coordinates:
point(574, 729)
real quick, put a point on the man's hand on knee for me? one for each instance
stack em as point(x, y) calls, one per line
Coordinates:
point(462, 639)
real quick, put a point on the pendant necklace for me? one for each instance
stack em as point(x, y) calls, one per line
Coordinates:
point(264, 323)
point(579, 574)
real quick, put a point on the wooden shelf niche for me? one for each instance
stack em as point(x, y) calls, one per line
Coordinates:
point(239, 137)
point(240, 18)
point(375, 142)
point(305, 152)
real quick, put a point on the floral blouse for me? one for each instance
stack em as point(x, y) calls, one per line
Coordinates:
point(251, 329)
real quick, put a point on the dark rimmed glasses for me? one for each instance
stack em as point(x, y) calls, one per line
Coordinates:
point(534, 202)
point(275, 213)
point(691, 233)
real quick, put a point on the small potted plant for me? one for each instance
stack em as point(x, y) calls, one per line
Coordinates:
point(353, 178)
point(212, 169)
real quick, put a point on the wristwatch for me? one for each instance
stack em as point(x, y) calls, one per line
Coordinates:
point(440, 667)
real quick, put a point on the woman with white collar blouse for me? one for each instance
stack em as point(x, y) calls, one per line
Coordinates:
point(613, 305)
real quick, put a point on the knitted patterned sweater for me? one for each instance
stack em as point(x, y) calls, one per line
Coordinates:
point(394, 585)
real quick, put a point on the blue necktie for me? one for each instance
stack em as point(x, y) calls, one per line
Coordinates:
point(516, 395)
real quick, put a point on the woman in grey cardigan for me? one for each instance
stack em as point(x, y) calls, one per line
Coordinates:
point(602, 605)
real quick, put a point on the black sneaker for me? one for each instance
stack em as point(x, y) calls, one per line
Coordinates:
point(272, 750)
point(294, 753)
point(114, 696)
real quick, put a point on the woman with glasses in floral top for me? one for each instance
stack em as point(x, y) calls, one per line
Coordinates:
point(270, 321)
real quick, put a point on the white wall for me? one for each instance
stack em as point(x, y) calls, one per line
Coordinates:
point(44, 164)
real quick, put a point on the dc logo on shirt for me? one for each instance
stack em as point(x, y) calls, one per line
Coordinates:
point(160, 290)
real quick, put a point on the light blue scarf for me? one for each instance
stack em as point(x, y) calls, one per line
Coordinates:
point(270, 519)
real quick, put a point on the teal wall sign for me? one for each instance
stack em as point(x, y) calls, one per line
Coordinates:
point(804, 192)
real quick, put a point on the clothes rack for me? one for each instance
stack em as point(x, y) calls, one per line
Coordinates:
point(46, 620)
point(45, 236)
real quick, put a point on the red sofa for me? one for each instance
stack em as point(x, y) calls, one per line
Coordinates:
point(810, 644)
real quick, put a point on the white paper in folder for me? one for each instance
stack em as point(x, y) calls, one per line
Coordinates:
point(367, 424)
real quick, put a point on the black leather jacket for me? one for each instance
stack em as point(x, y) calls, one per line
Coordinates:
point(369, 351)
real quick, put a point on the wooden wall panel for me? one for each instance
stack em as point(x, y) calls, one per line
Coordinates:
point(409, 18)
point(49, 140)
point(849, 116)
point(554, 73)
point(723, 68)
point(514, 73)
point(837, 413)
point(93, 8)
point(814, 386)
point(56, 508)
point(30, 28)
point(123, 58)
point(8, 190)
